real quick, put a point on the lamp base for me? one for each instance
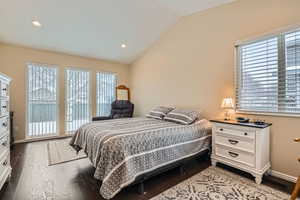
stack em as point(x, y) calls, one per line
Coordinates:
point(227, 115)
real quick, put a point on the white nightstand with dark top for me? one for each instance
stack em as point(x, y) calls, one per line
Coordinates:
point(245, 146)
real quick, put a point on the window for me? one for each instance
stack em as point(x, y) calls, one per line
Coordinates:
point(77, 95)
point(106, 92)
point(268, 75)
point(42, 100)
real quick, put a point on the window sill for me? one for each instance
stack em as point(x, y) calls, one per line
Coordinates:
point(268, 113)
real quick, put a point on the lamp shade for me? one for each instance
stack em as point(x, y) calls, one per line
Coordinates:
point(227, 103)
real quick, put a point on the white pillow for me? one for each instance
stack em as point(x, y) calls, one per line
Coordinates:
point(159, 112)
point(182, 116)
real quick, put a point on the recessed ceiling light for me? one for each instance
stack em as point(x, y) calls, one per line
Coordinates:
point(123, 45)
point(36, 23)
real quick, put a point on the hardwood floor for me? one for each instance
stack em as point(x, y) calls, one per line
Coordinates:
point(33, 179)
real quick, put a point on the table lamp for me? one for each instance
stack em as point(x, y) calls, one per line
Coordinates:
point(227, 104)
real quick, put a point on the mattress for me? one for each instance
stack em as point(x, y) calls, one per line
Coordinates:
point(122, 149)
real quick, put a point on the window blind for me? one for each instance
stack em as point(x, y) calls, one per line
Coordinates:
point(290, 97)
point(268, 74)
point(77, 99)
point(106, 92)
point(42, 101)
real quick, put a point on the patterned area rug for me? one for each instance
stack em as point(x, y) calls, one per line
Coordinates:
point(59, 151)
point(217, 184)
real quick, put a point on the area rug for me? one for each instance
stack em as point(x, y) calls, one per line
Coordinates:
point(217, 184)
point(59, 151)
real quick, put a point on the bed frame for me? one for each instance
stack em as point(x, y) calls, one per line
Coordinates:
point(180, 163)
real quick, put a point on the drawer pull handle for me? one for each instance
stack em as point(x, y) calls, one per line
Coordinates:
point(5, 163)
point(234, 155)
point(4, 89)
point(245, 133)
point(4, 106)
point(221, 129)
point(4, 124)
point(233, 141)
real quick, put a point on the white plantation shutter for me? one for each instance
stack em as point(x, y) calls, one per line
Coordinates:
point(77, 99)
point(106, 92)
point(268, 75)
point(42, 100)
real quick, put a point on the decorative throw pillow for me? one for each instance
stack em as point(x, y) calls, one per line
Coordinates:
point(159, 112)
point(182, 116)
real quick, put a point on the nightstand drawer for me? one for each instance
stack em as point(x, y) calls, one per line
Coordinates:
point(235, 155)
point(233, 130)
point(4, 168)
point(4, 146)
point(3, 107)
point(3, 125)
point(4, 89)
point(4, 162)
point(235, 142)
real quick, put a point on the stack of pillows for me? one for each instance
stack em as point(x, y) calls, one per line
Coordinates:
point(181, 116)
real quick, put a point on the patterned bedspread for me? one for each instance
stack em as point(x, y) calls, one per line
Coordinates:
point(122, 149)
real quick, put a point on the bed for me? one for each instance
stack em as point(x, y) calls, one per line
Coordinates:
point(122, 150)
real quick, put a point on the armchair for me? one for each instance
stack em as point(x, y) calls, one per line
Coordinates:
point(119, 109)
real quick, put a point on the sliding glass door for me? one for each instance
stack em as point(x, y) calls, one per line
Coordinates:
point(42, 100)
point(106, 92)
point(77, 99)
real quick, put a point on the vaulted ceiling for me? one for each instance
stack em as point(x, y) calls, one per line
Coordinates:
point(93, 28)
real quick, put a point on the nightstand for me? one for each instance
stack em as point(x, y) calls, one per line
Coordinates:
point(245, 146)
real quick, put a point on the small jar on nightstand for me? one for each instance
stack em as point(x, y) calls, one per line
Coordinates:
point(245, 146)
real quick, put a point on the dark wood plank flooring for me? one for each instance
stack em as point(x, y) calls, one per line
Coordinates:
point(33, 179)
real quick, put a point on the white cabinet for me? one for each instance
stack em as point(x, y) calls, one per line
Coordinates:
point(245, 146)
point(5, 168)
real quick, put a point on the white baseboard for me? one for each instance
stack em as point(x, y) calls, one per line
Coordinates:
point(41, 139)
point(283, 176)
